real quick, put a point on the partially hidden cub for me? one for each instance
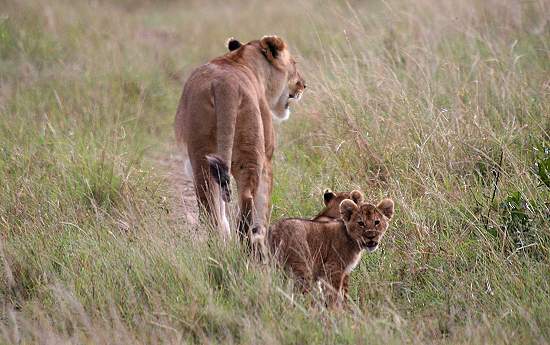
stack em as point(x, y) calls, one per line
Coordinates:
point(329, 251)
point(332, 202)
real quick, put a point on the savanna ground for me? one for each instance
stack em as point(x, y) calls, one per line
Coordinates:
point(443, 105)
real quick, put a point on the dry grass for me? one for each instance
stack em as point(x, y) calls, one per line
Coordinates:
point(443, 105)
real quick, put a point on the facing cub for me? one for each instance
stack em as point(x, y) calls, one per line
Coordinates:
point(329, 251)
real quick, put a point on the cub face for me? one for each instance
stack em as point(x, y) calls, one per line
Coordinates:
point(366, 223)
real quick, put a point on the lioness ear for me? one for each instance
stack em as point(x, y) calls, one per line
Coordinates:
point(233, 44)
point(347, 207)
point(328, 195)
point(386, 207)
point(272, 46)
point(357, 196)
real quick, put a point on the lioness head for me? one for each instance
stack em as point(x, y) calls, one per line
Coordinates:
point(285, 81)
point(366, 223)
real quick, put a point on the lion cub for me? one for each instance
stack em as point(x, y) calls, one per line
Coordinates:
point(329, 251)
point(332, 202)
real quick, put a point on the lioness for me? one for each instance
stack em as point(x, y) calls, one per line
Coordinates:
point(329, 251)
point(225, 112)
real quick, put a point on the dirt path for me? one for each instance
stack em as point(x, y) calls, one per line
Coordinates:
point(182, 194)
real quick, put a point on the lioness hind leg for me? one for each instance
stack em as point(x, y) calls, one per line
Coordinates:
point(262, 198)
point(261, 210)
point(247, 184)
point(246, 209)
point(211, 207)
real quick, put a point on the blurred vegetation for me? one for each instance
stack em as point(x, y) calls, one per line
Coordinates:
point(414, 100)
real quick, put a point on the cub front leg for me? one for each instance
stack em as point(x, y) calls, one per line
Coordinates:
point(335, 297)
point(345, 285)
point(303, 278)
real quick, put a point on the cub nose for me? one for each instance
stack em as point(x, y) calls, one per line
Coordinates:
point(370, 235)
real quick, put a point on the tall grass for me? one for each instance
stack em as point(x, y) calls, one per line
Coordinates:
point(442, 105)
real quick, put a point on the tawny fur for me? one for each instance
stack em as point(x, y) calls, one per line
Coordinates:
point(329, 251)
point(226, 108)
point(331, 212)
point(332, 202)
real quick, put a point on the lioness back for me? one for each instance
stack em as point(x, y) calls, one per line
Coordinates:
point(195, 117)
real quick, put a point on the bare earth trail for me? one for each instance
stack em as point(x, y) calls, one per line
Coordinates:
point(181, 192)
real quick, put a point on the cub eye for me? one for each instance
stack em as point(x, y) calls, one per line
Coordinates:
point(376, 222)
point(360, 223)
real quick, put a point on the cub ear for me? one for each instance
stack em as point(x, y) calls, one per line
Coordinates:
point(233, 44)
point(357, 196)
point(272, 46)
point(347, 207)
point(386, 207)
point(328, 195)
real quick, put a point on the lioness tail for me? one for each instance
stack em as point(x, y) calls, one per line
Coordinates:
point(220, 172)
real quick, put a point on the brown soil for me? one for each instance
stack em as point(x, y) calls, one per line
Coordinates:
point(182, 194)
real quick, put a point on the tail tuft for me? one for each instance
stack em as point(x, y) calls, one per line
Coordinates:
point(220, 173)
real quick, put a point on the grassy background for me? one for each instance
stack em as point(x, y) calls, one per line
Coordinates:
point(442, 105)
